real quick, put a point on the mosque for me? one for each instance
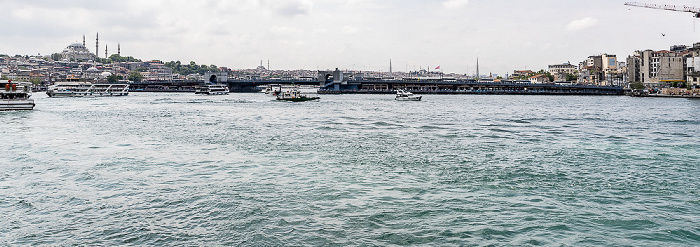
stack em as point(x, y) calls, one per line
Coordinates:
point(77, 51)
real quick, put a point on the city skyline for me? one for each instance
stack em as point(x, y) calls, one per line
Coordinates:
point(356, 34)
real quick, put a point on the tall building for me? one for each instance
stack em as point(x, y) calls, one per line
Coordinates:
point(658, 68)
point(599, 70)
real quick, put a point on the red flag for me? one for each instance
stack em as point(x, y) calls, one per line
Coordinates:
point(438, 67)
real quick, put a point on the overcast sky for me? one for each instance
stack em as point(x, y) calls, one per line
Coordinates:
point(349, 34)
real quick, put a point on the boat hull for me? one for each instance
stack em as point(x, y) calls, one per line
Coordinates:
point(16, 105)
point(84, 94)
point(299, 99)
point(417, 98)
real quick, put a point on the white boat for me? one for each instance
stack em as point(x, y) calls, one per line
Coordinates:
point(15, 96)
point(276, 89)
point(86, 89)
point(211, 89)
point(406, 96)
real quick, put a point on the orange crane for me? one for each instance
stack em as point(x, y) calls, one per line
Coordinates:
point(684, 8)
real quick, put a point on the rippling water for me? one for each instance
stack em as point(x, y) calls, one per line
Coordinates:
point(359, 170)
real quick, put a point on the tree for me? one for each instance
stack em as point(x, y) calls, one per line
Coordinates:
point(135, 76)
point(4, 77)
point(35, 81)
point(571, 77)
point(114, 78)
point(56, 56)
point(637, 85)
point(550, 76)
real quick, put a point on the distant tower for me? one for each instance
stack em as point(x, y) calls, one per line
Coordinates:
point(106, 51)
point(119, 49)
point(477, 67)
point(390, 69)
point(97, 45)
point(83, 39)
point(268, 64)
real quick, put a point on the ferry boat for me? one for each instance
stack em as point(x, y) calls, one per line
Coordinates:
point(212, 89)
point(15, 96)
point(403, 95)
point(294, 95)
point(86, 89)
point(276, 89)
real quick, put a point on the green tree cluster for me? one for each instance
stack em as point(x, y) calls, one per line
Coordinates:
point(637, 85)
point(114, 78)
point(191, 68)
point(115, 58)
point(541, 72)
point(56, 56)
point(135, 76)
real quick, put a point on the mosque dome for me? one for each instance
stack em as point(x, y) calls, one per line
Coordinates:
point(105, 74)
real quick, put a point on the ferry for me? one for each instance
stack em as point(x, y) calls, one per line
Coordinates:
point(276, 89)
point(294, 95)
point(212, 89)
point(15, 96)
point(86, 89)
point(403, 95)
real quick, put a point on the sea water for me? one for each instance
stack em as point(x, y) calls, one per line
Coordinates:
point(174, 169)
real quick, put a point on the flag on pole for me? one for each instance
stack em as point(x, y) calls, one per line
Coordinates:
point(438, 67)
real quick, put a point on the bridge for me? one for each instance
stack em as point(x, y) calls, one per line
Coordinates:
point(336, 82)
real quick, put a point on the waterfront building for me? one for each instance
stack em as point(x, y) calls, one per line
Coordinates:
point(598, 70)
point(658, 68)
point(559, 71)
point(541, 78)
point(693, 66)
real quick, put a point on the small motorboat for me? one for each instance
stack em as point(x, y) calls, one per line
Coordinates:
point(294, 95)
point(404, 95)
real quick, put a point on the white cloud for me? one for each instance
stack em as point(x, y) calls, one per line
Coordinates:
point(291, 7)
point(577, 25)
point(452, 4)
point(350, 30)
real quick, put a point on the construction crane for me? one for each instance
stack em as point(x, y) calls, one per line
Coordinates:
point(684, 8)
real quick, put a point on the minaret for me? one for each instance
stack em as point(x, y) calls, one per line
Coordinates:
point(83, 39)
point(106, 51)
point(119, 49)
point(97, 45)
point(390, 69)
point(268, 64)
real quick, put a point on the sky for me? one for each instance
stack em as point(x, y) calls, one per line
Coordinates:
point(350, 34)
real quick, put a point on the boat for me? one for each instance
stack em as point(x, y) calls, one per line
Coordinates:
point(275, 89)
point(403, 95)
point(72, 88)
point(15, 96)
point(294, 95)
point(212, 89)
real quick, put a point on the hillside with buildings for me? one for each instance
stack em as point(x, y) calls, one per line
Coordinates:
point(677, 67)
